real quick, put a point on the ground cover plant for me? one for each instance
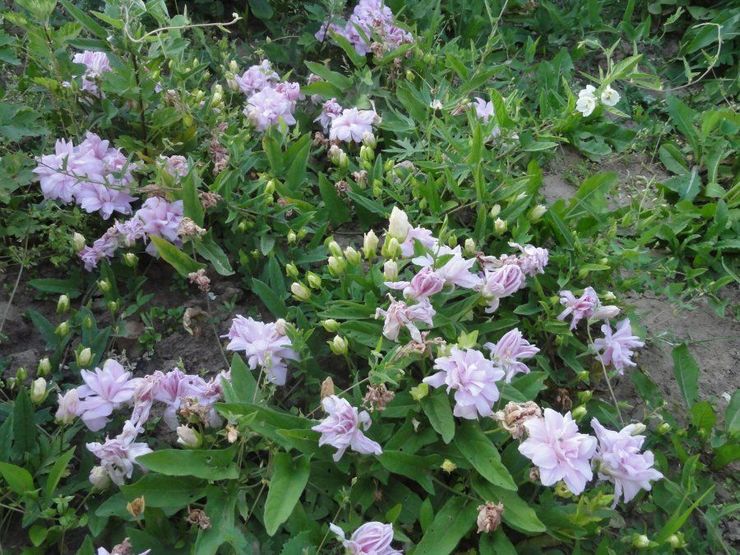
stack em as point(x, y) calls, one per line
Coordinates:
point(370, 278)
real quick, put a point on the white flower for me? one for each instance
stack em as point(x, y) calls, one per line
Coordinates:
point(586, 103)
point(398, 224)
point(609, 96)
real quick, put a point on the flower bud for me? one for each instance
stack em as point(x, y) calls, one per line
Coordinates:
point(499, 226)
point(398, 225)
point(99, 478)
point(62, 329)
point(270, 186)
point(130, 260)
point(62, 304)
point(367, 154)
point(300, 291)
point(579, 412)
point(537, 212)
point(334, 249)
point(676, 541)
point(291, 270)
point(78, 241)
point(369, 140)
point(338, 157)
point(87, 323)
point(38, 391)
point(448, 466)
point(470, 246)
point(664, 428)
point(281, 326)
point(327, 388)
point(330, 325)
point(585, 396)
point(104, 285)
point(337, 266)
point(370, 245)
point(136, 507)
point(21, 374)
point(188, 437)
point(561, 490)
point(352, 256)
point(113, 306)
point(314, 280)
point(609, 296)
point(84, 357)
point(495, 210)
point(44, 367)
point(638, 428)
point(410, 75)
point(390, 270)
point(640, 541)
point(292, 237)
point(391, 248)
point(233, 66)
point(338, 345)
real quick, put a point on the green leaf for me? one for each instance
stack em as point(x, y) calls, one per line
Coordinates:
point(271, 300)
point(340, 81)
point(412, 466)
point(175, 257)
point(683, 119)
point(289, 479)
point(166, 491)
point(298, 154)
point(261, 9)
point(212, 251)
point(687, 373)
point(479, 451)
point(687, 185)
point(732, 414)
point(703, 417)
point(518, 514)
point(87, 22)
point(213, 464)
point(56, 472)
point(679, 518)
point(221, 508)
point(437, 408)
point(19, 479)
point(450, 525)
point(69, 287)
point(24, 430)
point(192, 206)
point(337, 211)
point(242, 381)
point(496, 544)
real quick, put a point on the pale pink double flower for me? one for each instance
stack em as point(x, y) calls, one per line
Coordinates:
point(372, 538)
point(424, 284)
point(586, 306)
point(400, 315)
point(616, 348)
point(104, 391)
point(509, 351)
point(499, 283)
point(342, 428)
point(352, 125)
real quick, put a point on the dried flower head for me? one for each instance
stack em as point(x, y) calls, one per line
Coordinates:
point(514, 416)
point(136, 507)
point(200, 279)
point(377, 397)
point(489, 517)
point(199, 518)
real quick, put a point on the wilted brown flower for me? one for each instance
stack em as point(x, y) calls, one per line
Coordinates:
point(188, 228)
point(514, 416)
point(199, 518)
point(563, 399)
point(327, 388)
point(377, 397)
point(209, 199)
point(489, 517)
point(123, 548)
point(200, 279)
point(341, 186)
point(136, 507)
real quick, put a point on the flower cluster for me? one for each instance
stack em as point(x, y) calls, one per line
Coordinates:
point(93, 174)
point(370, 27)
point(560, 452)
point(587, 101)
point(269, 100)
point(265, 345)
point(350, 125)
point(96, 63)
point(586, 306)
point(156, 217)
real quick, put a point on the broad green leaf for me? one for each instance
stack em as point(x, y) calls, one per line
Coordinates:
point(210, 464)
point(19, 479)
point(24, 430)
point(212, 251)
point(340, 81)
point(289, 479)
point(221, 509)
point(496, 544)
point(437, 408)
point(703, 417)
point(270, 298)
point(69, 287)
point(336, 210)
point(192, 206)
point(261, 9)
point(450, 525)
point(480, 451)
point(683, 119)
point(412, 466)
point(687, 185)
point(56, 472)
point(175, 257)
point(243, 382)
point(166, 491)
point(87, 22)
point(687, 373)
point(298, 156)
point(732, 414)
point(679, 518)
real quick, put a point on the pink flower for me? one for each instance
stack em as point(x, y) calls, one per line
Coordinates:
point(264, 345)
point(424, 284)
point(342, 428)
point(559, 451)
point(372, 538)
point(69, 407)
point(96, 63)
point(532, 260)
point(104, 391)
point(617, 347)
point(455, 270)
point(619, 460)
point(256, 78)
point(586, 306)
point(483, 109)
point(500, 283)
point(473, 377)
point(161, 218)
point(173, 388)
point(420, 234)
point(105, 247)
point(176, 165)
point(290, 90)
point(330, 110)
point(268, 107)
point(57, 172)
point(400, 315)
point(93, 197)
point(118, 455)
point(508, 352)
point(352, 124)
